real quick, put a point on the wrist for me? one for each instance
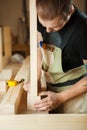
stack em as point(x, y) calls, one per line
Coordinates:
point(60, 98)
point(63, 97)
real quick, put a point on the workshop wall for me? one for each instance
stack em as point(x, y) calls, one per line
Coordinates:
point(81, 4)
point(11, 11)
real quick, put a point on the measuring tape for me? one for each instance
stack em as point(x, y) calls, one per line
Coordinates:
point(12, 83)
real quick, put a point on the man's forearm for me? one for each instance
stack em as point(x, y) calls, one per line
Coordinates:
point(75, 90)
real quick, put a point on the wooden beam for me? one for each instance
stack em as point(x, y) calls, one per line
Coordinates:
point(5, 46)
point(7, 41)
point(1, 50)
point(33, 96)
point(33, 48)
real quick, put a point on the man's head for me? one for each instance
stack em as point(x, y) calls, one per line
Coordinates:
point(53, 13)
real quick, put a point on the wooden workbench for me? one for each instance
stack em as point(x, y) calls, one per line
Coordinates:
point(44, 122)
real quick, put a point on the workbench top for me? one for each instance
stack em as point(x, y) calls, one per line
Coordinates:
point(44, 122)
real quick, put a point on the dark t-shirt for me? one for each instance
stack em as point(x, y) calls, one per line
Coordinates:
point(72, 39)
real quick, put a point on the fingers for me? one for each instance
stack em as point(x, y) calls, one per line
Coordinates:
point(44, 104)
point(26, 86)
point(45, 108)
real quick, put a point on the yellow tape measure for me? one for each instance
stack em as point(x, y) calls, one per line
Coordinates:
point(12, 83)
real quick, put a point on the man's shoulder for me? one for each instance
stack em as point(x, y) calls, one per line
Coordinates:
point(81, 17)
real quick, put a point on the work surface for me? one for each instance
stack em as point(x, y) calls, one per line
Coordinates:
point(43, 122)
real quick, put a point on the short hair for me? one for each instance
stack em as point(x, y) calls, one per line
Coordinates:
point(50, 9)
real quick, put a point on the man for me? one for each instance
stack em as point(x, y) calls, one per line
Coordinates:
point(62, 56)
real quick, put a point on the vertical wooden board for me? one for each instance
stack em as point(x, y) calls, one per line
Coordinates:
point(1, 48)
point(7, 41)
point(33, 48)
point(7, 45)
point(31, 100)
point(33, 96)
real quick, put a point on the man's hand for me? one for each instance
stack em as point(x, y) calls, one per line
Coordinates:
point(26, 86)
point(51, 101)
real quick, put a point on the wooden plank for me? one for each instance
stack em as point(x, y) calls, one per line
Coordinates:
point(14, 67)
point(5, 75)
point(7, 41)
point(33, 96)
point(1, 50)
point(11, 101)
point(33, 48)
point(42, 122)
point(7, 45)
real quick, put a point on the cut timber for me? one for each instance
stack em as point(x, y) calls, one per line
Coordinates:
point(1, 50)
point(5, 46)
point(11, 101)
point(33, 96)
point(33, 48)
point(31, 100)
point(7, 41)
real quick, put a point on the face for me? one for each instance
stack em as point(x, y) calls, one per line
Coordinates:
point(53, 25)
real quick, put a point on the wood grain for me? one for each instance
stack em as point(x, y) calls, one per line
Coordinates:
point(42, 122)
